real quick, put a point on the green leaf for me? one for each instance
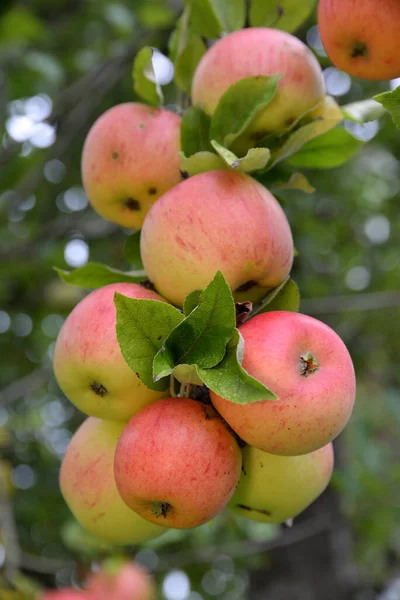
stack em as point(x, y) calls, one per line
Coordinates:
point(285, 296)
point(324, 117)
point(155, 15)
point(363, 111)
point(132, 251)
point(191, 301)
point(96, 275)
point(239, 105)
point(330, 150)
point(195, 127)
point(255, 159)
point(142, 327)
point(391, 101)
point(229, 380)
point(187, 61)
point(202, 162)
point(212, 17)
point(286, 15)
point(186, 49)
point(20, 26)
point(202, 336)
point(297, 181)
point(144, 78)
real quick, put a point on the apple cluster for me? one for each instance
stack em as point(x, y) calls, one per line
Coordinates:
point(146, 460)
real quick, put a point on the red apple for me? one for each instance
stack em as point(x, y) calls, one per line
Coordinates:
point(64, 594)
point(218, 220)
point(88, 363)
point(306, 364)
point(88, 486)
point(361, 37)
point(129, 582)
point(176, 463)
point(261, 51)
point(130, 158)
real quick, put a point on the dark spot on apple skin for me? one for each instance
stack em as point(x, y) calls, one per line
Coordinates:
point(184, 174)
point(132, 204)
point(98, 388)
point(152, 191)
point(160, 509)
point(257, 510)
point(147, 285)
point(289, 121)
point(142, 125)
point(159, 337)
point(247, 286)
point(359, 49)
point(115, 155)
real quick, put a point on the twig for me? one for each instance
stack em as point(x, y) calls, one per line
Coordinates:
point(298, 533)
point(9, 532)
point(356, 302)
point(42, 564)
point(24, 386)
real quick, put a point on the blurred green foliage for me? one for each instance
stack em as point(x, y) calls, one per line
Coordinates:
point(62, 63)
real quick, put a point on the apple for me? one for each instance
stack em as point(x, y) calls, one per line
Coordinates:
point(176, 463)
point(261, 51)
point(129, 582)
point(64, 594)
point(88, 486)
point(273, 489)
point(88, 363)
point(130, 157)
point(218, 220)
point(361, 37)
point(306, 364)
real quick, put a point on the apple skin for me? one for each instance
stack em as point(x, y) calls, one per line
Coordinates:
point(130, 582)
point(176, 463)
point(261, 51)
point(130, 157)
point(273, 489)
point(88, 363)
point(313, 406)
point(88, 486)
point(361, 37)
point(218, 220)
point(64, 594)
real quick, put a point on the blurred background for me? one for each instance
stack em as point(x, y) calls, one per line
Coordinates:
point(63, 63)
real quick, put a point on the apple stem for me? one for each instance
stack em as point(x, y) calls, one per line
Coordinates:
point(172, 390)
point(308, 364)
point(185, 390)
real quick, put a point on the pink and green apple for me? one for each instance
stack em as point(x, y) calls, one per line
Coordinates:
point(88, 363)
point(306, 364)
point(129, 159)
point(261, 51)
point(88, 486)
point(176, 463)
point(218, 220)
